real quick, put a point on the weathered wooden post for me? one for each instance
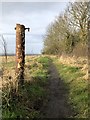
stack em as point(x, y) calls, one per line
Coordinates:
point(20, 52)
point(89, 66)
point(89, 49)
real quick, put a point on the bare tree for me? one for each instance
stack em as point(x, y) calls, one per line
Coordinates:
point(68, 31)
point(4, 47)
point(78, 18)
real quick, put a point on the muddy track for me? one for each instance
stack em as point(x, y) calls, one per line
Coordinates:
point(57, 105)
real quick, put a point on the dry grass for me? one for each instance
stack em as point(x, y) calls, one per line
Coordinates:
point(80, 62)
point(7, 70)
point(31, 95)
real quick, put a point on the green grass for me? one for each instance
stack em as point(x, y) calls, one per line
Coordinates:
point(44, 61)
point(78, 88)
point(28, 100)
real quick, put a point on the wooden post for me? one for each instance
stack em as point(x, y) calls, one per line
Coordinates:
point(89, 49)
point(20, 52)
point(89, 66)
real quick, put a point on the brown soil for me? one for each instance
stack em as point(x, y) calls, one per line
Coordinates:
point(57, 105)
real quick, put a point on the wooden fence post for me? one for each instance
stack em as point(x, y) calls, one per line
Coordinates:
point(88, 66)
point(89, 49)
point(20, 52)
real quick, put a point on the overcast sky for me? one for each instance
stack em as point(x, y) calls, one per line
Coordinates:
point(36, 15)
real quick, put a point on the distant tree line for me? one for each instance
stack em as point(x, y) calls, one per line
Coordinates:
point(68, 33)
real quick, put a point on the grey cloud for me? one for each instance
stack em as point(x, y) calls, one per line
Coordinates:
point(26, 7)
point(37, 16)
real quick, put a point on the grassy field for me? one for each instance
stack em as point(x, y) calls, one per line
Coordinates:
point(27, 102)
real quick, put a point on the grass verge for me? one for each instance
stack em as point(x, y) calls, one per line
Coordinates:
point(28, 100)
point(78, 88)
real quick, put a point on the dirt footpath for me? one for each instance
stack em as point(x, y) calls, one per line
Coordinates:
point(57, 106)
